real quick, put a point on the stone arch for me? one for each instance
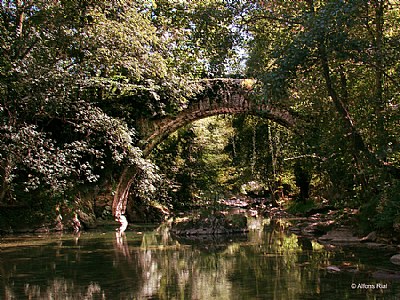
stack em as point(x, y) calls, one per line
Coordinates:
point(215, 97)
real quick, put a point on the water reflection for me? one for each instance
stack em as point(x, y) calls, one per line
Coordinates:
point(121, 246)
point(266, 263)
point(62, 289)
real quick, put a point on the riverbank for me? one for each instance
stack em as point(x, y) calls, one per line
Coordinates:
point(324, 223)
point(332, 227)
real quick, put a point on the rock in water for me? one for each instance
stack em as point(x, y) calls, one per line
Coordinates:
point(395, 259)
point(211, 225)
point(371, 237)
point(333, 269)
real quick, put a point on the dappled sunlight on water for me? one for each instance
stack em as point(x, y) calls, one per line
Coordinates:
point(266, 263)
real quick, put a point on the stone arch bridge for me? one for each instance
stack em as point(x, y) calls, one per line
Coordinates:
point(214, 97)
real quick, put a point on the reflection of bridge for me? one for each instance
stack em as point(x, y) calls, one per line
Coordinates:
point(215, 97)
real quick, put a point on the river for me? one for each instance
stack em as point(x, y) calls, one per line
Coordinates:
point(266, 263)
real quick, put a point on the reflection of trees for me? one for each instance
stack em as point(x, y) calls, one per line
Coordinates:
point(66, 266)
point(63, 289)
point(186, 274)
point(155, 265)
point(121, 248)
point(174, 271)
point(267, 261)
point(268, 264)
point(276, 266)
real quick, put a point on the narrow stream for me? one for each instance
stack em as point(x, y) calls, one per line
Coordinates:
point(266, 263)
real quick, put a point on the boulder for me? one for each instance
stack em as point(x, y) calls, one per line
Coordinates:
point(371, 237)
point(138, 211)
point(395, 259)
point(386, 275)
point(211, 225)
point(318, 228)
point(88, 220)
point(339, 236)
point(333, 269)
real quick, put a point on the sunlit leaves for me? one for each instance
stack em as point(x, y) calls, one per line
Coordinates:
point(66, 58)
point(353, 43)
point(126, 46)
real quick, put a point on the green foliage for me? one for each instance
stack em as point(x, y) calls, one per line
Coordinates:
point(194, 162)
point(333, 63)
point(225, 156)
point(296, 207)
point(73, 75)
point(260, 149)
point(201, 35)
point(382, 212)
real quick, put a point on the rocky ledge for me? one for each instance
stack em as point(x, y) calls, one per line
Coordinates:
point(214, 224)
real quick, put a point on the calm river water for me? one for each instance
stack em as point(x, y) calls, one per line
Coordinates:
point(267, 263)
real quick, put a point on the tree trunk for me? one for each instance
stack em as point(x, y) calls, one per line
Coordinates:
point(20, 17)
point(5, 170)
point(379, 103)
point(357, 141)
point(122, 191)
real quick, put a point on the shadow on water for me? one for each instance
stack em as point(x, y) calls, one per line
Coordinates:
point(266, 263)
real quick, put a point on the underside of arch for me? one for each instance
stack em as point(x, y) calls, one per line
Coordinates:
point(216, 97)
point(166, 127)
